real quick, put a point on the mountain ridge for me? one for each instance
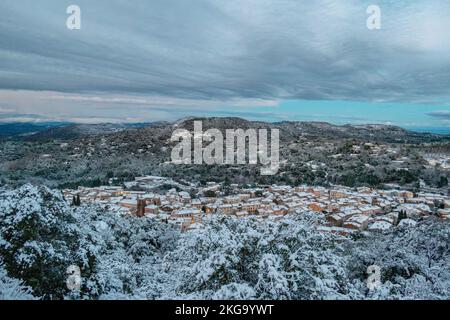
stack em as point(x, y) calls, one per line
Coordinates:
point(70, 131)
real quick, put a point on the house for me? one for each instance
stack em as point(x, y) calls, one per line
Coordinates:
point(280, 189)
point(337, 194)
point(184, 197)
point(279, 210)
point(152, 198)
point(317, 207)
point(182, 224)
point(103, 196)
point(196, 203)
point(151, 209)
point(336, 230)
point(357, 222)
point(210, 208)
point(241, 214)
point(336, 219)
point(406, 194)
point(333, 207)
point(365, 190)
point(251, 207)
point(444, 214)
point(391, 219)
point(379, 226)
point(244, 196)
point(128, 203)
point(185, 213)
point(349, 212)
point(447, 204)
point(227, 209)
point(232, 200)
point(369, 210)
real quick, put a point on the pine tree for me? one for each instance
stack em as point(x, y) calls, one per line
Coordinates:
point(41, 241)
point(402, 215)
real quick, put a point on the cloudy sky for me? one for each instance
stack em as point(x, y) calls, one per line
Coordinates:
point(273, 60)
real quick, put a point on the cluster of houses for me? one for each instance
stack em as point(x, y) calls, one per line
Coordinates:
point(346, 210)
point(438, 160)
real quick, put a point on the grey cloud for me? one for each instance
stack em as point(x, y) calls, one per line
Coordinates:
point(229, 49)
point(442, 114)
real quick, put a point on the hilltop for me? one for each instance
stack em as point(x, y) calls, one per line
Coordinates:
point(311, 152)
point(70, 131)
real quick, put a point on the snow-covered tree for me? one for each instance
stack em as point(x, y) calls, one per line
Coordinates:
point(278, 260)
point(13, 289)
point(235, 291)
point(128, 253)
point(39, 239)
point(413, 260)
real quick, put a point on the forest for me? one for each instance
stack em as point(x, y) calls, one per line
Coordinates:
point(125, 257)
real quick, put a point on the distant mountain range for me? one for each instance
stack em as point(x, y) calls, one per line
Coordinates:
point(17, 129)
point(71, 131)
point(63, 130)
point(317, 153)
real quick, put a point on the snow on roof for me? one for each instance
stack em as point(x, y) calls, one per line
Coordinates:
point(338, 215)
point(148, 195)
point(359, 218)
point(129, 201)
point(380, 225)
point(407, 223)
point(188, 211)
point(336, 230)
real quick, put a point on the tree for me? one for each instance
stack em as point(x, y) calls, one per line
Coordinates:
point(413, 261)
point(76, 200)
point(277, 260)
point(443, 182)
point(259, 193)
point(40, 239)
point(402, 215)
point(210, 194)
point(13, 289)
point(273, 281)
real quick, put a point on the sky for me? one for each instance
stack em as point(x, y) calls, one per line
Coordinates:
point(271, 60)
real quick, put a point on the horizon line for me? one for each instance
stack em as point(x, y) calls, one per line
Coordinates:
point(437, 130)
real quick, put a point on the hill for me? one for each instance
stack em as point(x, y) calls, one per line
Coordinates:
point(310, 152)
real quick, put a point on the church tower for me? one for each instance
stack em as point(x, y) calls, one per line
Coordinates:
point(140, 210)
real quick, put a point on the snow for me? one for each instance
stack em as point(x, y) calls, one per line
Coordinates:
point(13, 289)
point(380, 226)
point(225, 257)
point(407, 223)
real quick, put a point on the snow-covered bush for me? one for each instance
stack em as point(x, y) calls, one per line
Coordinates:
point(277, 260)
point(13, 289)
point(40, 239)
point(128, 253)
point(235, 291)
point(414, 261)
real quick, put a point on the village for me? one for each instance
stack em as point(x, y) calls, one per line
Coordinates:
point(347, 210)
